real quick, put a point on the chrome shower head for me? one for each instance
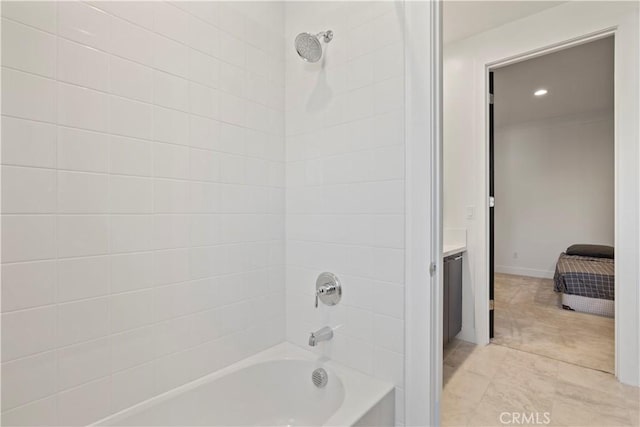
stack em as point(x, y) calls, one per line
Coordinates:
point(309, 47)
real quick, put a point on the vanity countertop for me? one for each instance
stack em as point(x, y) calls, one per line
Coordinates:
point(452, 249)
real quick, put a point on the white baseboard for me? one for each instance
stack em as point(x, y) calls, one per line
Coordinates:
point(521, 271)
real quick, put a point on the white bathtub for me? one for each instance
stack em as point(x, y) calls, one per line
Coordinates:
point(271, 388)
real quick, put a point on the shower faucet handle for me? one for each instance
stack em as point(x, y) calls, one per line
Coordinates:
point(328, 289)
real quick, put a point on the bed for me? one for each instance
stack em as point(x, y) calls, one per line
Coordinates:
point(585, 277)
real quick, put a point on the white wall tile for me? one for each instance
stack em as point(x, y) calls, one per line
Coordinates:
point(171, 266)
point(132, 348)
point(131, 233)
point(131, 271)
point(82, 65)
point(40, 58)
point(28, 379)
point(27, 332)
point(131, 42)
point(388, 365)
point(234, 111)
point(84, 24)
point(130, 194)
point(119, 123)
point(82, 235)
point(130, 79)
point(28, 143)
point(205, 133)
point(136, 12)
point(389, 95)
point(232, 50)
point(203, 36)
point(132, 386)
point(203, 69)
point(80, 192)
point(130, 118)
point(170, 91)
point(203, 101)
point(131, 310)
point(389, 333)
point(171, 161)
point(172, 231)
point(205, 165)
point(234, 22)
point(170, 56)
point(82, 108)
point(171, 196)
point(85, 404)
point(38, 14)
point(388, 299)
point(82, 150)
point(209, 12)
point(388, 265)
point(28, 96)
point(81, 363)
point(81, 278)
point(174, 335)
point(388, 62)
point(346, 211)
point(170, 21)
point(28, 190)
point(130, 156)
point(28, 284)
point(94, 324)
point(38, 413)
point(28, 237)
point(170, 126)
point(179, 369)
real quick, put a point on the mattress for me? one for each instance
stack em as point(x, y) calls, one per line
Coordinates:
point(585, 276)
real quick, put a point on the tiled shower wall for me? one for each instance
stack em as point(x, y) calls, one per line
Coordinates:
point(345, 183)
point(142, 199)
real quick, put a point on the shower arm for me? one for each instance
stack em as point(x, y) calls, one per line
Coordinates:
point(327, 36)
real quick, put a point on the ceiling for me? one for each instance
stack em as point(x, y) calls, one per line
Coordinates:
point(579, 80)
point(462, 19)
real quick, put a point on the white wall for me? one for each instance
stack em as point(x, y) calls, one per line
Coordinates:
point(465, 183)
point(554, 186)
point(345, 183)
point(142, 199)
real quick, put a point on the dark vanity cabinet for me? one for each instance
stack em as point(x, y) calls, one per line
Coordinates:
point(452, 313)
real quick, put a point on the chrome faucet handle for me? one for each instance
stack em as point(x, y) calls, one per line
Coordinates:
point(328, 289)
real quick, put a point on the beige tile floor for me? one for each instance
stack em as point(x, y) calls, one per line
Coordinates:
point(483, 382)
point(528, 318)
point(537, 367)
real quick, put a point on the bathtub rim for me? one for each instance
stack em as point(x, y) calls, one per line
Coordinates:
point(362, 392)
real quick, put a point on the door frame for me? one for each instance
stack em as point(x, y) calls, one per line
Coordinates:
point(489, 149)
point(625, 29)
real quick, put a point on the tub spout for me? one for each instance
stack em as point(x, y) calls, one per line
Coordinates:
point(323, 334)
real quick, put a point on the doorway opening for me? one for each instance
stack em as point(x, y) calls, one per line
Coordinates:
point(551, 211)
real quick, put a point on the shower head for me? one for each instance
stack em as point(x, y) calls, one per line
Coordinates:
point(309, 47)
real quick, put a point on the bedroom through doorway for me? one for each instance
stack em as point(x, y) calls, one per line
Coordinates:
point(551, 182)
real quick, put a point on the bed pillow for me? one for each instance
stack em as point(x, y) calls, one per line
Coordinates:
point(595, 251)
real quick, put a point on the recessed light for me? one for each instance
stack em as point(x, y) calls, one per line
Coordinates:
point(540, 92)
